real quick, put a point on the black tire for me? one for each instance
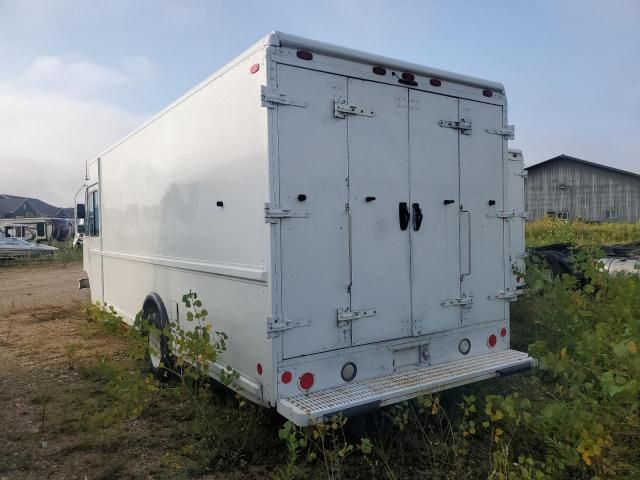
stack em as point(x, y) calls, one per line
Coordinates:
point(161, 362)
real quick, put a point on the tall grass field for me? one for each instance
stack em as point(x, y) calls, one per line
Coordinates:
point(550, 230)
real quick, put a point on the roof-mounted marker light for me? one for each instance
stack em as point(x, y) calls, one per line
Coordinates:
point(408, 79)
point(434, 82)
point(487, 93)
point(254, 68)
point(379, 70)
point(304, 55)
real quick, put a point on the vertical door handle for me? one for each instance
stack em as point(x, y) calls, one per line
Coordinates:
point(404, 215)
point(417, 216)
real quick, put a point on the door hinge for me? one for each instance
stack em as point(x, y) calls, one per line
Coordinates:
point(273, 215)
point(462, 125)
point(507, 214)
point(275, 326)
point(503, 295)
point(345, 315)
point(508, 131)
point(270, 98)
point(459, 301)
point(341, 109)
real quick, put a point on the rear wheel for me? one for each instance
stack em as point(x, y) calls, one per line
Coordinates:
point(158, 353)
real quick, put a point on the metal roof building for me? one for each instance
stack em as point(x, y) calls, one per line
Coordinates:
point(571, 188)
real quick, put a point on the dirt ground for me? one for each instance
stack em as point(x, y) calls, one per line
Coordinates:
point(45, 341)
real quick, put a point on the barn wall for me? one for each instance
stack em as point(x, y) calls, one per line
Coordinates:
point(581, 190)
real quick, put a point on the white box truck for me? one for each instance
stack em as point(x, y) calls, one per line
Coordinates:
point(346, 219)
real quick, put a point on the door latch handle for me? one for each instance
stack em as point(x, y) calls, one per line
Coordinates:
point(449, 202)
point(417, 216)
point(404, 215)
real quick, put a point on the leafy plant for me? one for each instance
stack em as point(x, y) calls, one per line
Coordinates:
point(124, 394)
point(295, 441)
point(329, 444)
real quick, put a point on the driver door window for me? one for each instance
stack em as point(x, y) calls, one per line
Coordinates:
point(93, 213)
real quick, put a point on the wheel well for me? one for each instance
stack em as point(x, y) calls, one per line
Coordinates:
point(154, 301)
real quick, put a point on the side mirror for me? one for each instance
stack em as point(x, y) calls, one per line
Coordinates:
point(80, 210)
point(80, 228)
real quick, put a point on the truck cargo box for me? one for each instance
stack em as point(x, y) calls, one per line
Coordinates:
point(347, 219)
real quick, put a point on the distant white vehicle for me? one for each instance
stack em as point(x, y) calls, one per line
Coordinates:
point(351, 221)
point(11, 248)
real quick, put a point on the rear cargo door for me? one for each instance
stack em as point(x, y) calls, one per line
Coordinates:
point(482, 196)
point(515, 226)
point(436, 213)
point(378, 193)
point(312, 146)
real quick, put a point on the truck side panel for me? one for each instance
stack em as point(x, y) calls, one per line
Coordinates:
point(183, 209)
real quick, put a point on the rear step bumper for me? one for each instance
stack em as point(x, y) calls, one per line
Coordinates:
point(364, 395)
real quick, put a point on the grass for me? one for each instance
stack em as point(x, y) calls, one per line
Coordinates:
point(551, 230)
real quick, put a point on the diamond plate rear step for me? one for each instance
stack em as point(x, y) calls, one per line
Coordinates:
point(388, 389)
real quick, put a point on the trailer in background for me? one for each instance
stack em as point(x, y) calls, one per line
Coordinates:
point(40, 229)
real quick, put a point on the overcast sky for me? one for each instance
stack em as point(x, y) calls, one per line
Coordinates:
point(76, 76)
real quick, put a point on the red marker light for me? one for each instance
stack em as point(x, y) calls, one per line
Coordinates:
point(304, 55)
point(259, 368)
point(409, 77)
point(503, 332)
point(286, 377)
point(487, 93)
point(435, 82)
point(379, 70)
point(306, 381)
point(254, 68)
point(492, 341)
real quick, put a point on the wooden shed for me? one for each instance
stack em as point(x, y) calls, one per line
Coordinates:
point(571, 188)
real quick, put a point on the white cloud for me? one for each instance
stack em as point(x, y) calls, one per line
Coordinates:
point(50, 127)
point(78, 78)
point(139, 67)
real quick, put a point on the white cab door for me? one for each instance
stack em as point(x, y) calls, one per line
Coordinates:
point(482, 196)
point(313, 178)
point(378, 190)
point(435, 240)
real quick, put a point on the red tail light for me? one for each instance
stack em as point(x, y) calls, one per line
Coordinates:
point(286, 377)
point(503, 332)
point(492, 341)
point(306, 381)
